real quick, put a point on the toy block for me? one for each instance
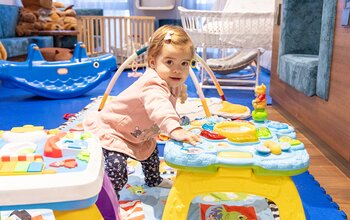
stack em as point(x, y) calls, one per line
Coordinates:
point(35, 167)
point(8, 167)
point(21, 167)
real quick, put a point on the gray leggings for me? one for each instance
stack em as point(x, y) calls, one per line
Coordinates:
point(116, 169)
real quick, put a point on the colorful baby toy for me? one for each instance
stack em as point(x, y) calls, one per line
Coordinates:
point(259, 113)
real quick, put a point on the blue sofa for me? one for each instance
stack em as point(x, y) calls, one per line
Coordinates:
point(306, 43)
point(17, 46)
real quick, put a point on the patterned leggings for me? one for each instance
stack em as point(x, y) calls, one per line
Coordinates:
point(116, 168)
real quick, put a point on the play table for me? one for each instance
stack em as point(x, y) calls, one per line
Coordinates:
point(238, 156)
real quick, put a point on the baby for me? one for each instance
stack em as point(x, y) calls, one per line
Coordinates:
point(128, 124)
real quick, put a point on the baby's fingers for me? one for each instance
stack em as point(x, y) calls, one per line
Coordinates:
point(197, 138)
point(193, 139)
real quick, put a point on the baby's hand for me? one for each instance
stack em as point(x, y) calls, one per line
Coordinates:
point(180, 134)
point(183, 94)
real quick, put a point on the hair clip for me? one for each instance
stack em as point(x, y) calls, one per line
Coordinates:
point(167, 37)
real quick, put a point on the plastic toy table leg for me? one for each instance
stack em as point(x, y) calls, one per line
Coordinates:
point(188, 185)
point(90, 213)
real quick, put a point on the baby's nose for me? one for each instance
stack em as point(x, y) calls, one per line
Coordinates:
point(177, 71)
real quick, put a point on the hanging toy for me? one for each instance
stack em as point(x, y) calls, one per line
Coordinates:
point(134, 72)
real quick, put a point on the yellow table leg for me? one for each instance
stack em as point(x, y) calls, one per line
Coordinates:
point(188, 185)
point(90, 213)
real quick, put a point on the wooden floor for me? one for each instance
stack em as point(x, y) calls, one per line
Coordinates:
point(324, 166)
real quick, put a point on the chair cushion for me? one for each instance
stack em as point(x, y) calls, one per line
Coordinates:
point(15, 46)
point(233, 63)
point(8, 20)
point(299, 71)
point(41, 41)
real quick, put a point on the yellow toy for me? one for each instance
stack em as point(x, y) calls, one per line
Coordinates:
point(259, 104)
point(237, 131)
point(233, 108)
point(273, 146)
point(188, 185)
point(90, 213)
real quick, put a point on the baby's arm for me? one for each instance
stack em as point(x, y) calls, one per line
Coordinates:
point(180, 134)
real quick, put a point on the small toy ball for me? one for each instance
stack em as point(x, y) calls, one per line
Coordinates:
point(184, 120)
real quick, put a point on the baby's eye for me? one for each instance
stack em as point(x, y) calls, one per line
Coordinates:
point(169, 62)
point(185, 63)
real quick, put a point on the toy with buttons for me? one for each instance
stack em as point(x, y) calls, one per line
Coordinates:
point(268, 147)
point(38, 164)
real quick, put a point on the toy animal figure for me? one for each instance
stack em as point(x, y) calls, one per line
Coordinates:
point(260, 101)
point(61, 79)
point(221, 213)
point(259, 104)
point(137, 190)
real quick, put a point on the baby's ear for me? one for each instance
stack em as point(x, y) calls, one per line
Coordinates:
point(152, 61)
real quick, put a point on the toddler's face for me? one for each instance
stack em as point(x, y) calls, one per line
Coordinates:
point(172, 64)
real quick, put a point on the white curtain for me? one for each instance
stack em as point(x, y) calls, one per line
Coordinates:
point(110, 7)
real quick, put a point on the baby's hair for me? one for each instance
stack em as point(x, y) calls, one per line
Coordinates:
point(178, 38)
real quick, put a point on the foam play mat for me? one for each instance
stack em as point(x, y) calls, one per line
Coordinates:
point(151, 200)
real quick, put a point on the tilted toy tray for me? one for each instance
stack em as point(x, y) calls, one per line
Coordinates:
point(290, 159)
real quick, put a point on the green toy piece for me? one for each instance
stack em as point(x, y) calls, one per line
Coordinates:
point(259, 115)
point(85, 135)
point(263, 132)
point(84, 156)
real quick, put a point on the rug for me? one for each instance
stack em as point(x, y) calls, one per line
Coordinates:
point(317, 204)
point(153, 199)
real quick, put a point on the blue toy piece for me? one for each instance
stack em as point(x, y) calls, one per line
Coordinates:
point(60, 79)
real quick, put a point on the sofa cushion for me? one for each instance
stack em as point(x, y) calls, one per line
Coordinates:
point(41, 41)
point(8, 20)
point(15, 46)
point(301, 27)
point(299, 71)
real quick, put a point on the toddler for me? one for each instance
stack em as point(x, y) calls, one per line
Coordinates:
point(128, 124)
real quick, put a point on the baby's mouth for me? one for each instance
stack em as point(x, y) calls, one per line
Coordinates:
point(175, 78)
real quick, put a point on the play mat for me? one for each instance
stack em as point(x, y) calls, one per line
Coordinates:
point(142, 202)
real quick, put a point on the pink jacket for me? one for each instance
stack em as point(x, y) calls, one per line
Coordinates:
point(129, 122)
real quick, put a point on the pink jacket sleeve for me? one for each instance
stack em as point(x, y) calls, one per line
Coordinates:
point(155, 96)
